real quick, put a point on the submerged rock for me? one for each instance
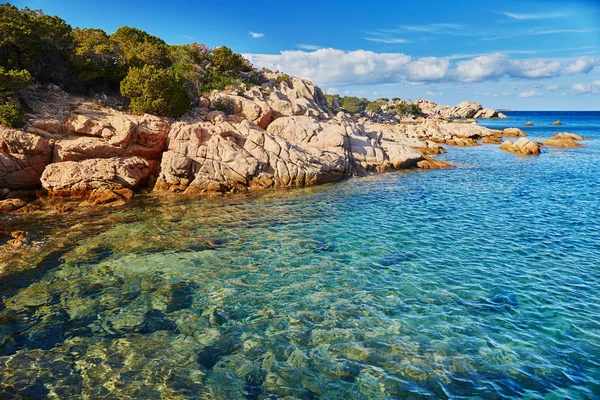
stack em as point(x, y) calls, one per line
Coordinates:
point(564, 140)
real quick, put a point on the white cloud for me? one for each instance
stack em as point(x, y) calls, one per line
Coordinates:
point(555, 31)
point(332, 90)
point(433, 94)
point(533, 16)
point(436, 29)
point(256, 35)
point(387, 41)
point(361, 67)
point(583, 64)
point(580, 88)
point(309, 47)
point(531, 93)
point(551, 88)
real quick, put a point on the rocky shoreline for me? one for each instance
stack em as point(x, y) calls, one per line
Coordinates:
point(280, 134)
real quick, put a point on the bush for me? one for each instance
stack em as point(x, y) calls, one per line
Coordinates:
point(354, 105)
point(408, 109)
point(373, 107)
point(97, 58)
point(140, 48)
point(32, 40)
point(283, 78)
point(225, 104)
point(11, 116)
point(155, 91)
point(13, 80)
point(219, 83)
point(224, 62)
point(190, 62)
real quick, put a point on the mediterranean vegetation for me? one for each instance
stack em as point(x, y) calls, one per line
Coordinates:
point(153, 76)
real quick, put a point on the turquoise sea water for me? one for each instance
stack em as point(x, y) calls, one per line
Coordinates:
point(481, 281)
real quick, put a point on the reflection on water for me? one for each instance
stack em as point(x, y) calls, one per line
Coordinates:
point(479, 281)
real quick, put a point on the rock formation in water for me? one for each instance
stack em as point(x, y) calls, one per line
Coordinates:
point(280, 134)
point(564, 140)
point(522, 146)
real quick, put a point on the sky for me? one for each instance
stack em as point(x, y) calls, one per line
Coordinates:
point(521, 55)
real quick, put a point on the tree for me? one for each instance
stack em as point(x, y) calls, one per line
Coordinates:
point(224, 62)
point(354, 105)
point(12, 80)
point(155, 91)
point(140, 48)
point(373, 107)
point(190, 62)
point(97, 58)
point(408, 109)
point(39, 43)
point(11, 116)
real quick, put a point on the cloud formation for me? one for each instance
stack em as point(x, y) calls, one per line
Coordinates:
point(531, 93)
point(581, 88)
point(256, 35)
point(362, 67)
point(387, 41)
point(534, 16)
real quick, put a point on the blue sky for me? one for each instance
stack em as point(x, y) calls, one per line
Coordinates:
point(509, 54)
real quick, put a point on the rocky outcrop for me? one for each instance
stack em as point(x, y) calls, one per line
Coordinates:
point(99, 132)
point(279, 134)
point(513, 132)
point(465, 109)
point(81, 178)
point(557, 122)
point(564, 140)
point(23, 157)
point(522, 146)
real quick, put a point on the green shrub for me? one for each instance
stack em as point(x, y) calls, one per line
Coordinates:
point(219, 83)
point(283, 78)
point(96, 57)
point(224, 62)
point(396, 99)
point(190, 62)
point(155, 91)
point(408, 109)
point(140, 48)
point(11, 116)
point(225, 104)
point(354, 105)
point(373, 107)
point(13, 80)
point(32, 40)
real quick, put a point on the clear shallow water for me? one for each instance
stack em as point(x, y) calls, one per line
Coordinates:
point(481, 281)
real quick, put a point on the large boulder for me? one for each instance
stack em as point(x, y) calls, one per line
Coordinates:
point(100, 132)
point(82, 178)
point(225, 154)
point(522, 146)
point(564, 140)
point(23, 157)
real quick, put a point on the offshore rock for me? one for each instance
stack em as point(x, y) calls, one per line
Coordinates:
point(564, 140)
point(522, 146)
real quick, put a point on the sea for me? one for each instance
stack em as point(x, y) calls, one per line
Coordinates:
point(481, 281)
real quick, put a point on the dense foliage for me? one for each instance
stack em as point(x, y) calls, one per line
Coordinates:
point(155, 91)
point(11, 116)
point(224, 104)
point(373, 107)
point(408, 109)
point(42, 48)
